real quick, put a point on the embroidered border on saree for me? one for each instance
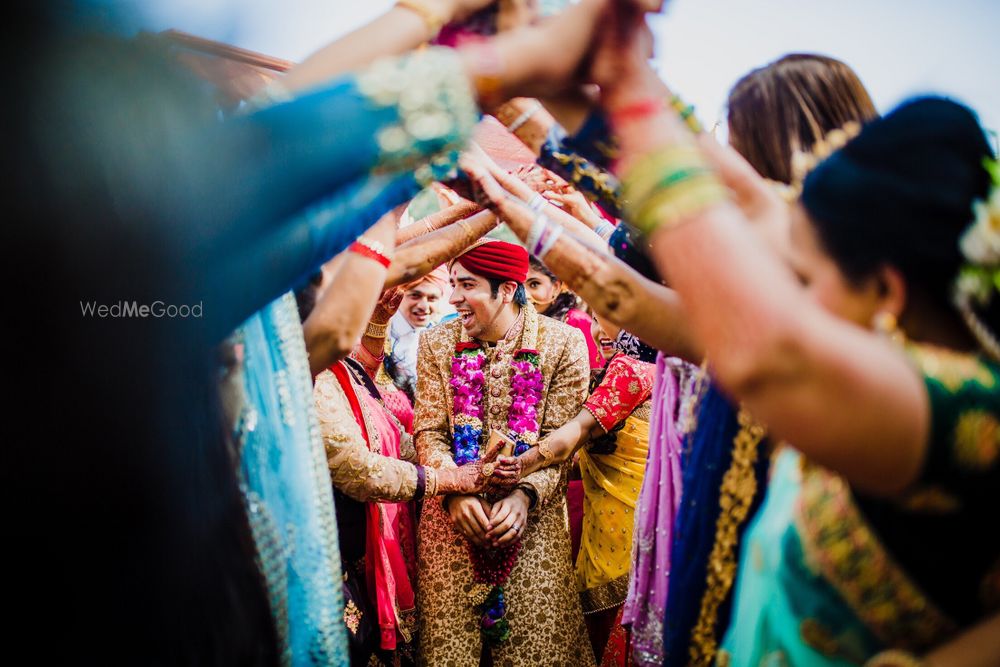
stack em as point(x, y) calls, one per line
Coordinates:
point(739, 486)
point(606, 596)
point(838, 543)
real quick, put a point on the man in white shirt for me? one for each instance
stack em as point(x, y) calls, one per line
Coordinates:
point(422, 306)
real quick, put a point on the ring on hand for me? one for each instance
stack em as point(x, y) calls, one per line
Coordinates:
point(488, 469)
point(517, 529)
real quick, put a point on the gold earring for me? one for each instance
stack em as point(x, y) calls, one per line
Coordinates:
point(886, 324)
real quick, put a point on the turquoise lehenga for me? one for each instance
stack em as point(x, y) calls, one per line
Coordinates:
point(831, 577)
point(408, 117)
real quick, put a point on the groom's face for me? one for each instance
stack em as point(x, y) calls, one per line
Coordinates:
point(475, 303)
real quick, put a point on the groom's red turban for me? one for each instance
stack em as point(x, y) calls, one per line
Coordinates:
point(496, 259)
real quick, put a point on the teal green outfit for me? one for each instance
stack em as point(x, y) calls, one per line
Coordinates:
point(831, 577)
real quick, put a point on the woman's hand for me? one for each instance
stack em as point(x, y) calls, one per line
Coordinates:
point(464, 480)
point(507, 473)
point(387, 305)
point(469, 478)
point(533, 60)
point(573, 202)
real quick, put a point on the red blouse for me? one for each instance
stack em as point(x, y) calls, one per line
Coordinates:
point(627, 384)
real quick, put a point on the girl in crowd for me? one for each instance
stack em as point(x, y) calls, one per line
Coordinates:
point(552, 299)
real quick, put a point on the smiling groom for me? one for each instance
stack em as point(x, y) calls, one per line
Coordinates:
point(494, 573)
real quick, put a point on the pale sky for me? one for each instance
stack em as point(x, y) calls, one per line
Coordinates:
point(898, 47)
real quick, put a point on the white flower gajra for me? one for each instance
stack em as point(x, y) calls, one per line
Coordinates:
point(980, 245)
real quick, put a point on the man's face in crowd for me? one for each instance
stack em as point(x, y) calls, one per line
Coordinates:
point(421, 304)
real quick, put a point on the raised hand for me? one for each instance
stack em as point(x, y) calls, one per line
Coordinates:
point(573, 202)
point(387, 305)
point(623, 47)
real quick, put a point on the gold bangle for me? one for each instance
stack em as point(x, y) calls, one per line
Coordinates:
point(464, 224)
point(669, 186)
point(376, 330)
point(429, 16)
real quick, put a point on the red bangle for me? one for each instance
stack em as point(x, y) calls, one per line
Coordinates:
point(369, 252)
point(646, 107)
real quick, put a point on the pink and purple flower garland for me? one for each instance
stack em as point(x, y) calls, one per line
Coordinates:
point(467, 381)
point(492, 567)
point(526, 387)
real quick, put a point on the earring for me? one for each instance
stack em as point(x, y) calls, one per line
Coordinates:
point(887, 325)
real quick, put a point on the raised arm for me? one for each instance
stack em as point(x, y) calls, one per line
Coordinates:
point(434, 221)
point(341, 314)
point(397, 31)
point(614, 290)
point(841, 395)
point(423, 254)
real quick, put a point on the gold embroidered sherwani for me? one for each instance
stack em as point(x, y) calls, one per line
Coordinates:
point(543, 606)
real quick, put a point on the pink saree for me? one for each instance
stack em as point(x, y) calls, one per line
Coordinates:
point(389, 550)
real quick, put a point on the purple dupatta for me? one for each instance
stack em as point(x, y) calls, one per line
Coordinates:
point(658, 502)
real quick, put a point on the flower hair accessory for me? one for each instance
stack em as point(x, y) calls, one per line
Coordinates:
point(979, 277)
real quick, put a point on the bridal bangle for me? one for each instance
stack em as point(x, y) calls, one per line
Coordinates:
point(421, 489)
point(524, 117)
point(376, 330)
point(686, 112)
point(667, 187)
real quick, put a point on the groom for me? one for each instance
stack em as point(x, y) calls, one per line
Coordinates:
point(500, 366)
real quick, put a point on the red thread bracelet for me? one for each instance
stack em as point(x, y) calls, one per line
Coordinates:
point(370, 253)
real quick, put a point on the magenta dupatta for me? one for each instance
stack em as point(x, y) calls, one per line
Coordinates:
point(658, 502)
